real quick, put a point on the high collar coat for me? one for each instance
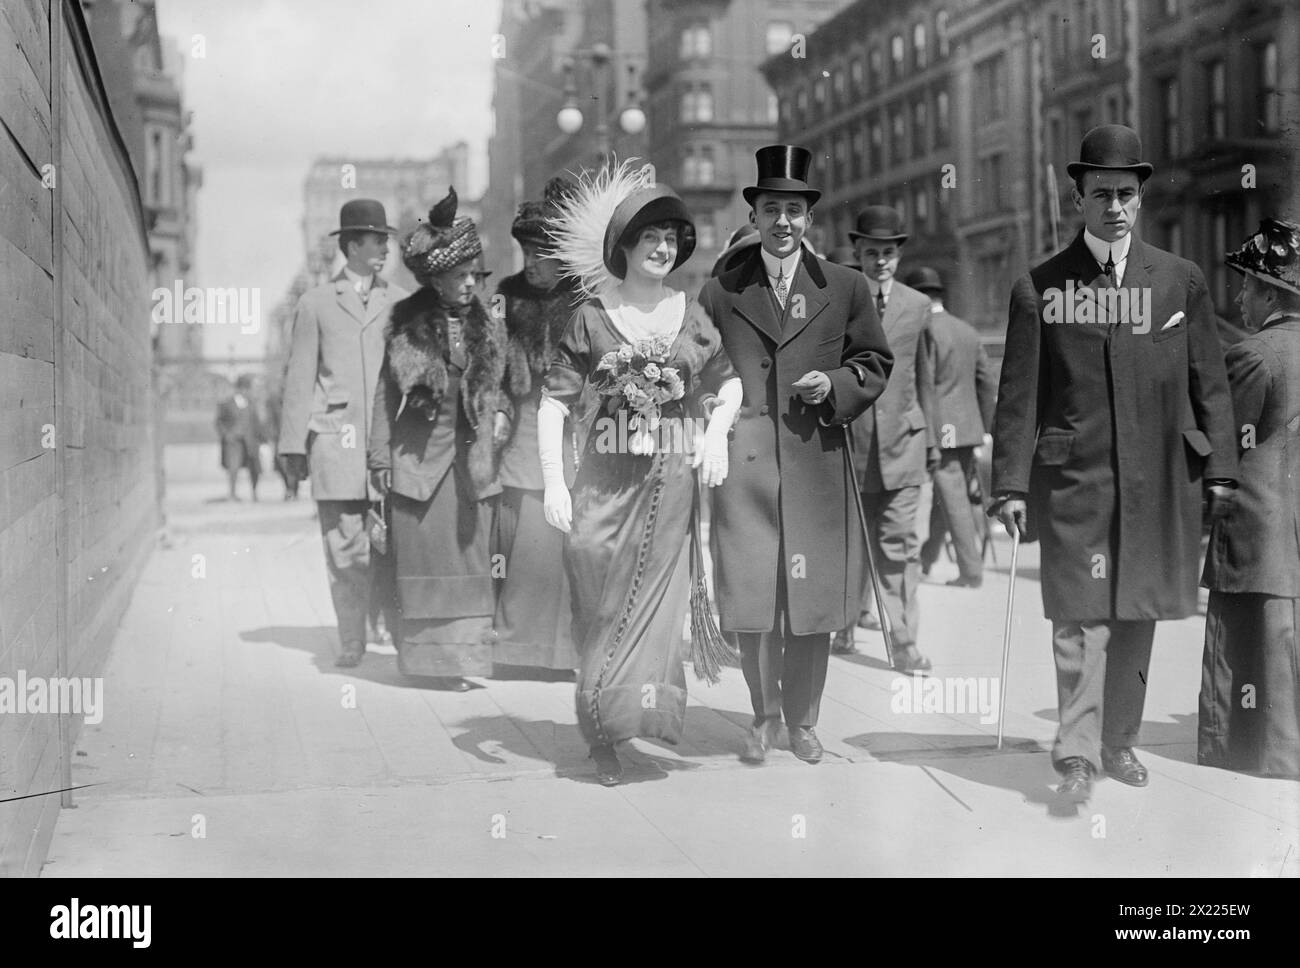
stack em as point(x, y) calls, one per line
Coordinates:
point(329, 383)
point(785, 505)
point(1111, 427)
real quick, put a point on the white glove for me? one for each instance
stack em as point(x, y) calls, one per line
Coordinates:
point(712, 453)
point(556, 503)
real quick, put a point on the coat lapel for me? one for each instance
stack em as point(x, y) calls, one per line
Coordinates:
point(348, 299)
point(754, 302)
point(378, 301)
point(1137, 281)
point(806, 300)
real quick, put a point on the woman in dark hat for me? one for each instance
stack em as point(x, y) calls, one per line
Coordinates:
point(656, 364)
point(1250, 680)
point(439, 419)
point(534, 619)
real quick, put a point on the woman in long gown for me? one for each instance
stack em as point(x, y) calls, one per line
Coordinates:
point(632, 569)
point(439, 418)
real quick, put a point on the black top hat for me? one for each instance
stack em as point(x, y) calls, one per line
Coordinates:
point(646, 206)
point(783, 168)
point(880, 222)
point(1110, 146)
point(363, 215)
point(844, 255)
point(924, 279)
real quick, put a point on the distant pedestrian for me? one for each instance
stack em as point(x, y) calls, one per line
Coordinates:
point(1250, 680)
point(965, 392)
point(241, 434)
point(329, 385)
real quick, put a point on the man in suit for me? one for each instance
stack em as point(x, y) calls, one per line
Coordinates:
point(241, 433)
point(329, 386)
point(1250, 684)
point(965, 390)
point(804, 338)
point(1113, 416)
point(895, 446)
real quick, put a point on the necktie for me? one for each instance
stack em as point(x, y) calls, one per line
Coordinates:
point(880, 303)
point(363, 291)
point(1109, 267)
point(782, 289)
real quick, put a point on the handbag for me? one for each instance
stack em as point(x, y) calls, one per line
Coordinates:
point(377, 527)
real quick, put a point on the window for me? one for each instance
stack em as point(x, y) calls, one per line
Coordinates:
point(991, 86)
point(920, 52)
point(1169, 117)
point(156, 164)
point(857, 76)
point(779, 35)
point(1174, 237)
point(858, 153)
point(1219, 280)
point(941, 136)
point(1216, 100)
point(1170, 8)
point(1269, 100)
point(706, 237)
point(841, 159)
point(918, 129)
point(690, 168)
point(697, 41)
point(1082, 123)
point(801, 106)
point(992, 194)
point(941, 31)
point(875, 68)
point(1113, 113)
point(897, 135)
point(897, 51)
point(706, 167)
point(819, 96)
point(921, 208)
point(838, 81)
point(773, 108)
point(877, 136)
point(697, 104)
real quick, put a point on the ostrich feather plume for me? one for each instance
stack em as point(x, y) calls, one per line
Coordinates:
point(577, 232)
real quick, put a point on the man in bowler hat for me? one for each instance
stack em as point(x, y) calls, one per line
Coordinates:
point(965, 391)
point(329, 388)
point(895, 445)
point(1113, 418)
point(804, 337)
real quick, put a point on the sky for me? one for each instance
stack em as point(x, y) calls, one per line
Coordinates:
point(275, 83)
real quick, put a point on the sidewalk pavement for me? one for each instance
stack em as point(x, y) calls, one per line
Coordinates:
point(231, 745)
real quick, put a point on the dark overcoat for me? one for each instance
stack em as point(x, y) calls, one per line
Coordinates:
point(1255, 547)
point(1110, 427)
point(786, 504)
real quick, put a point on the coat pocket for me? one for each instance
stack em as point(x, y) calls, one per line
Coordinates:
point(330, 420)
point(1176, 330)
point(915, 420)
point(1053, 448)
point(1198, 442)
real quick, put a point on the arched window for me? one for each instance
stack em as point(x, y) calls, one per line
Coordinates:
point(920, 52)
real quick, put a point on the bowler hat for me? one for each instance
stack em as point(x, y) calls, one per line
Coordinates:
point(646, 206)
point(783, 168)
point(924, 279)
point(363, 215)
point(880, 222)
point(1110, 146)
point(844, 255)
point(1271, 255)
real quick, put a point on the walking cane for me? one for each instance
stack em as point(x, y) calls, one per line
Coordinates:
point(886, 627)
point(1006, 633)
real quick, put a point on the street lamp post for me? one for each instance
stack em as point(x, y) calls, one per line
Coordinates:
point(570, 120)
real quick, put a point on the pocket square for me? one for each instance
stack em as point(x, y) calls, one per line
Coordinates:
point(1174, 320)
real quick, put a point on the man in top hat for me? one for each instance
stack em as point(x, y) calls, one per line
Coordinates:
point(329, 385)
point(1113, 417)
point(804, 338)
point(895, 446)
point(1252, 568)
point(965, 390)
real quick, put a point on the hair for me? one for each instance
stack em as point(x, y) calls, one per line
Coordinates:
point(629, 240)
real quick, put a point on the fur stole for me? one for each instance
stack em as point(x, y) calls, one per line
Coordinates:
point(535, 321)
point(417, 362)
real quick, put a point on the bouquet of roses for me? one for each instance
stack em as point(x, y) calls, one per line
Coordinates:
point(635, 378)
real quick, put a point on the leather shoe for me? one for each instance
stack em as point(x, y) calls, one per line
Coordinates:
point(805, 744)
point(609, 771)
point(868, 620)
point(965, 582)
point(1122, 765)
point(350, 658)
point(909, 659)
point(1076, 783)
point(761, 738)
point(842, 643)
